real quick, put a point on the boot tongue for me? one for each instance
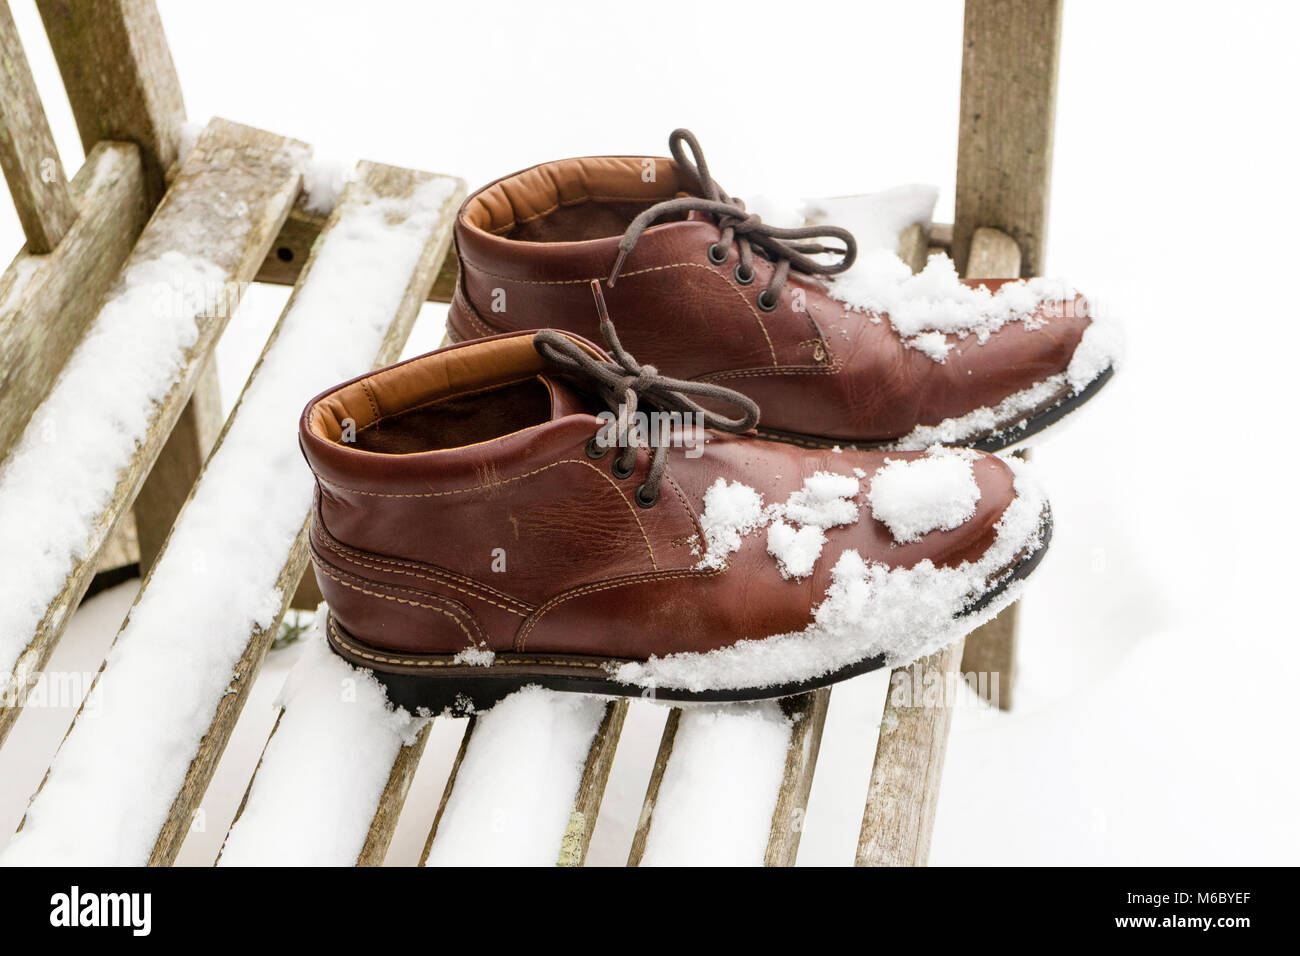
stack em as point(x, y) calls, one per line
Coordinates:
point(565, 400)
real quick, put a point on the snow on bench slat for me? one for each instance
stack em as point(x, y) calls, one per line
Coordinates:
point(511, 798)
point(323, 773)
point(111, 787)
point(719, 789)
point(86, 448)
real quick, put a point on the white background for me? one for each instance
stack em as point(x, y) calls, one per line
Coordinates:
point(1156, 719)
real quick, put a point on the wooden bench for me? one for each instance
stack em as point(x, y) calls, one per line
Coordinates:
point(139, 476)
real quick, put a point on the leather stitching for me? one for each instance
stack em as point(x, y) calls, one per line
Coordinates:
point(521, 638)
point(482, 639)
point(436, 577)
point(421, 662)
point(636, 272)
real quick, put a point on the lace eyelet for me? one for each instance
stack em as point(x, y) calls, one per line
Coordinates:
point(717, 255)
point(644, 498)
point(742, 276)
point(617, 471)
point(768, 302)
point(595, 450)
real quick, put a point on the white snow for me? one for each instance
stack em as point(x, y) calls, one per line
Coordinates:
point(324, 768)
point(734, 510)
point(869, 609)
point(1101, 347)
point(914, 497)
point(875, 219)
point(824, 501)
point(62, 471)
point(796, 549)
point(719, 790)
point(934, 300)
point(515, 788)
point(475, 657)
point(322, 183)
point(113, 780)
point(933, 344)
point(797, 533)
point(731, 511)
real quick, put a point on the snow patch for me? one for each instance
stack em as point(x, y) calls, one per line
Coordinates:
point(113, 780)
point(870, 610)
point(795, 549)
point(914, 497)
point(718, 792)
point(301, 810)
point(935, 299)
point(60, 476)
point(734, 510)
point(731, 511)
point(515, 788)
point(475, 657)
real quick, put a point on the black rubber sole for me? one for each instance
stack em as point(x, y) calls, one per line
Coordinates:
point(1044, 419)
point(465, 689)
point(997, 440)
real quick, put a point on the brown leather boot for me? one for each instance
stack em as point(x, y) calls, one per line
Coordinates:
point(481, 526)
point(707, 292)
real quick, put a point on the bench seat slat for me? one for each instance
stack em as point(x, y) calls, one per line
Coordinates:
point(334, 773)
point(88, 447)
point(527, 784)
point(181, 668)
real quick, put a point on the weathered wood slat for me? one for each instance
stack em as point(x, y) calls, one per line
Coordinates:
point(173, 475)
point(666, 743)
point(904, 790)
point(27, 151)
point(217, 221)
point(287, 255)
point(469, 815)
point(991, 648)
point(905, 777)
point(591, 787)
point(354, 310)
point(374, 182)
point(46, 301)
point(808, 711)
point(1008, 115)
point(914, 246)
point(120, 78)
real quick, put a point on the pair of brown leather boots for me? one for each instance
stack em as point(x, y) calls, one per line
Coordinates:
point(525, 507)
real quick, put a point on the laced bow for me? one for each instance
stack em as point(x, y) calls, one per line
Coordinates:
point(623, 383)
point(782, 246)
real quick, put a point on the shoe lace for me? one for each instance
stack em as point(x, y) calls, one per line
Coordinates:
point(746, 229)
point(623, 383)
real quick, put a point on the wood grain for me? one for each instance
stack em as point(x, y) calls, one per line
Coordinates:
point(662, 757)
point(27, 151)
point(904, 789)
point(46, 301)
point(591, 787)
point(373, 181)
point(178, 466)
point(1007, 119)
point(991, 648)
point(287, 255)
point(120, 78)
point(198, 217)
point(808, 712)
